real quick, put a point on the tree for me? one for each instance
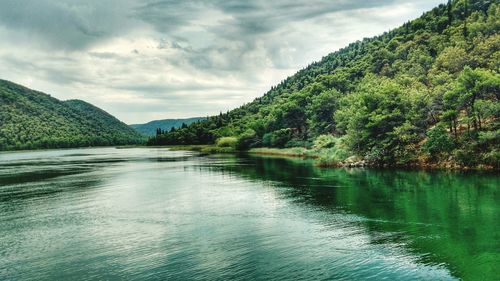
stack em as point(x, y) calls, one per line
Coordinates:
point(474, 85)
point(370, 116)
point(448, 12)
point(321, 111)
point(247, 140)
point(438, 142)
point(384, 95)
point(452, 59)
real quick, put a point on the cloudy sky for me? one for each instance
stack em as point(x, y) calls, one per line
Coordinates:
point(152, 59)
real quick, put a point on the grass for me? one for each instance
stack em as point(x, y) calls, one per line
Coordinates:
point(324, 157)
point(212, 149)
point(292, 152)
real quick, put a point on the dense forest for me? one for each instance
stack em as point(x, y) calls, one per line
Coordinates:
point(154, 127)
point(426, 92)
point(33, 120)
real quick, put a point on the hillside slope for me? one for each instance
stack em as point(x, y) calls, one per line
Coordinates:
point(149, 129)
point(32, 120)
point(426, 92)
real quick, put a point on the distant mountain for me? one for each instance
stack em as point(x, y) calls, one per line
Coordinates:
point(33, 120)
point(149, 129)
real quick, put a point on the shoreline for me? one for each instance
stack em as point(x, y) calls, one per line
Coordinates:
point(300, 152)
point(416, 166)
point(295, 152)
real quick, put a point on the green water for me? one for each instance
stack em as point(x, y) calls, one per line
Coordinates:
point(152, 214)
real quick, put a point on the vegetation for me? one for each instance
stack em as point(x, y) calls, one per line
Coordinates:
point(327, 151)
point(426, 92)
point(160, 126)
point(208, 149)
point(227, 142)
point(33, 120)
point(292, 152)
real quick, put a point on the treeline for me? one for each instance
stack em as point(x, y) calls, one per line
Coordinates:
point(426, 92)
point(151, 127)
point(34, 120)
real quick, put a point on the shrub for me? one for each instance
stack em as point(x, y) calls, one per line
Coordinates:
point(490, 137)
point(332, 156)
point(215, 149)
point(324, 141)
point(267, 139)
point(295, 151)
point(227, 142)
point(466, 156)
point(298, 143)
point(247, 140)
point(281, 137)
point(438, 141)
point(492, 158)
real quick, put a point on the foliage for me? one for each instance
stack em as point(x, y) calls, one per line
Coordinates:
point(216, 149)
point(292, 152)
point(325, 141)
point(371, 116)
point(227, 142)
point(438, 141)
point(246, 140)
point(281, 137)
point(332, 156)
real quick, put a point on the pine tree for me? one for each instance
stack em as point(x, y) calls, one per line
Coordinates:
point(449, 12)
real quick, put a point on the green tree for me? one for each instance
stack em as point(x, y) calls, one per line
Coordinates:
point(438, 142)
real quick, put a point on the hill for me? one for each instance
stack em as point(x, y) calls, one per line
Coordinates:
point(33, 120)
point(424, 93)
point(149, 129)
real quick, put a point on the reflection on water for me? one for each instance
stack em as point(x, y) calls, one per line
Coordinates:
point(154, 214)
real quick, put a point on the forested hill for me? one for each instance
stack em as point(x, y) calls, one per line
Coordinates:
point(425, 92)
point(32, 120)
point(150, 128)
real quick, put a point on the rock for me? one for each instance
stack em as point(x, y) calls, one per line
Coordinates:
point(352, 159)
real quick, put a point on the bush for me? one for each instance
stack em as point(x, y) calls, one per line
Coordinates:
point(466, 157)
point(378, 155)
point(216, 149)
point(490, 137)
point(294, 152)
point(227, 142)
point(324, 141)
point(332, 156)
point(298, 143)
point(247, 140)
point(492, 158)
point(281, 137)
point(267, 139)
point(438, 141)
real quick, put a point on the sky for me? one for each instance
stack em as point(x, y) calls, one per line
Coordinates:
point(142, 60)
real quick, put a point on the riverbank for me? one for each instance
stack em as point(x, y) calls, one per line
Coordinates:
point(327, 158)
point(203, 148)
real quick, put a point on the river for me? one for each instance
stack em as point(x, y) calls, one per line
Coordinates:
point(155, 214)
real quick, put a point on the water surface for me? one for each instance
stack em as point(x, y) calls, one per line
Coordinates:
point(143, 213)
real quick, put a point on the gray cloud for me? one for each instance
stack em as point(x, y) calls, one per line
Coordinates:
point(145, 59)
point(67, 24)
